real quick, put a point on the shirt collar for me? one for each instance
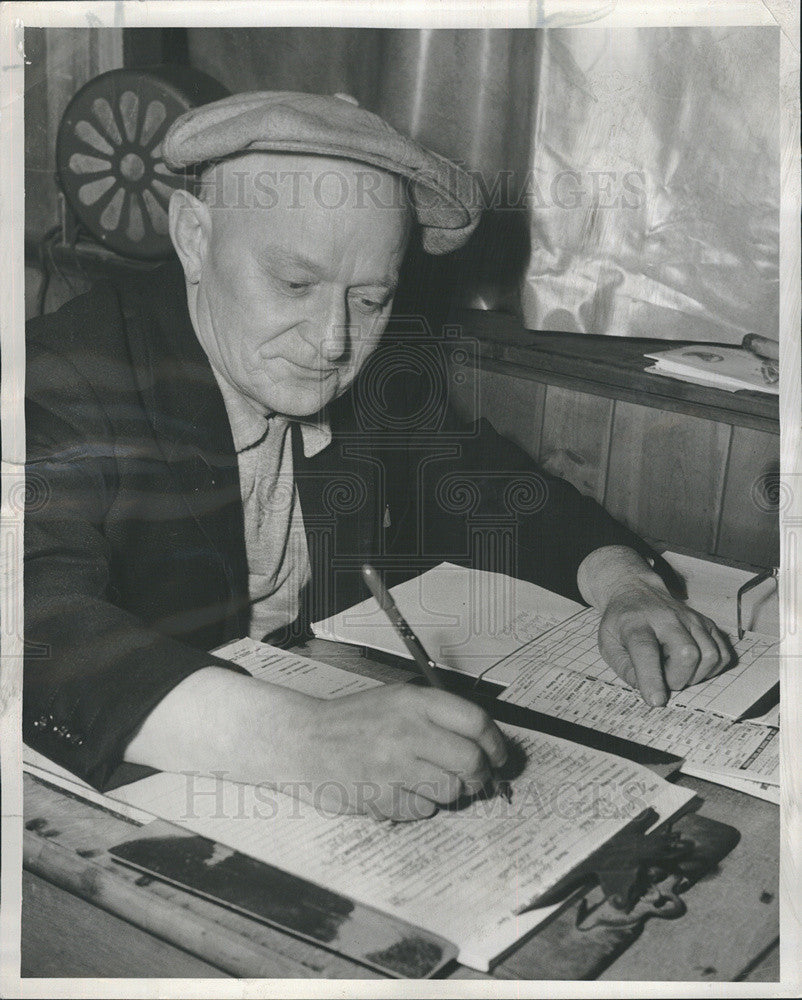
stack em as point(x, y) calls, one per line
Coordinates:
point(249, 425)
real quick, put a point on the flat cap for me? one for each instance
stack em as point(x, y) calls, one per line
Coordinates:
point(445, 199)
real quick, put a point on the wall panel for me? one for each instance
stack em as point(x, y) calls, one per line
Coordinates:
point(666, 475)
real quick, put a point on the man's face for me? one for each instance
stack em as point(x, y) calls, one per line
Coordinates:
point(293, 296)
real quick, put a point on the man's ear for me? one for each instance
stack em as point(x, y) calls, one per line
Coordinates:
point(190, 230)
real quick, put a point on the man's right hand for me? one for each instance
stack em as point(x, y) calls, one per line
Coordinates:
point(400, 751)
point(394, 752)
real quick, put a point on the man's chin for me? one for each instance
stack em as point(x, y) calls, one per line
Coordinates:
point(303, 403)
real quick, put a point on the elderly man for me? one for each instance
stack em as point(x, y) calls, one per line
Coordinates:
point(185, 431)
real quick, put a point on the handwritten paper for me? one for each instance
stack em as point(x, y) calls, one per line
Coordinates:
point(464, 873)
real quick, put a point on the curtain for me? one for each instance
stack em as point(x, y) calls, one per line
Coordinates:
point(631, 175)
point(314, 60)
point(655, 211)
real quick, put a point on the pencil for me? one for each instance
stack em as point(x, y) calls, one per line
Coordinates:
point(424, 662)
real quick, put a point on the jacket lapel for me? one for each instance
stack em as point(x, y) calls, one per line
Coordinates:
point(340, 491)
point(188, 417)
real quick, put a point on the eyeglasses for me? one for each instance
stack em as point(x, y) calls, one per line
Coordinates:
point(750, 585)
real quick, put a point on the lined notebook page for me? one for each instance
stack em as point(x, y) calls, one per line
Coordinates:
point(462, 874)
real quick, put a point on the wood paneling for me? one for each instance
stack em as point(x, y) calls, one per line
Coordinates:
point(514, 406)
point(749, 529)
point(576, 438)
point(666, 475)
point(678, 479)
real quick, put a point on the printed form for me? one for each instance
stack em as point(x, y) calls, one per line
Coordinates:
point(562, 674)
point(573, 644)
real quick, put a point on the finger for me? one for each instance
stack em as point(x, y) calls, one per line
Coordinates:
point(433, 783)
point(400, 804)
point(643, 651)
point(614, 653)
point(469, 721)
point(681, 654)
point(725, 655)
point(722, 640)
point(709, 653)
point(459, 756)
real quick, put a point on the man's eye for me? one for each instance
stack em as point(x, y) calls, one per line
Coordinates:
point(297, 286)
point(367, 304)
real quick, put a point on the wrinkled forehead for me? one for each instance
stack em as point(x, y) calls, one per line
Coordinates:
point(302, 182)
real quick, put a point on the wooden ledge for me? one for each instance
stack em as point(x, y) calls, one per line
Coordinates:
point(607, 366)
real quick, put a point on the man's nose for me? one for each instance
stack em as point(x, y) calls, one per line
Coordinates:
point(334, 342)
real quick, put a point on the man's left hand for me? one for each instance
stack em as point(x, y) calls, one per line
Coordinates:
point(653, 641)
point(658, 644)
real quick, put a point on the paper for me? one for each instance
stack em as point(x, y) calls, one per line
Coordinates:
point(756, 788)
point(462, 874)
point(468, 620)
point(711, 742)
point(730, 368)
point(277, 666)
point(551, 660)
point(477, 622)
point(42, 767)
point(573, 645)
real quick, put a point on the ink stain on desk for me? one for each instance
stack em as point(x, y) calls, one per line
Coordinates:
point(268, 893)
point(411, 957)
point(40, 826)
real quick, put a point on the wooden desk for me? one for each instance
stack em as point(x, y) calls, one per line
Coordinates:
point(71, 923)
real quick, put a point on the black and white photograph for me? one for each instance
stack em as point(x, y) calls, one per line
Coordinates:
point(401, 499)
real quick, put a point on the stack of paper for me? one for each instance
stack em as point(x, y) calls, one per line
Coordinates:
point(729, 368)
